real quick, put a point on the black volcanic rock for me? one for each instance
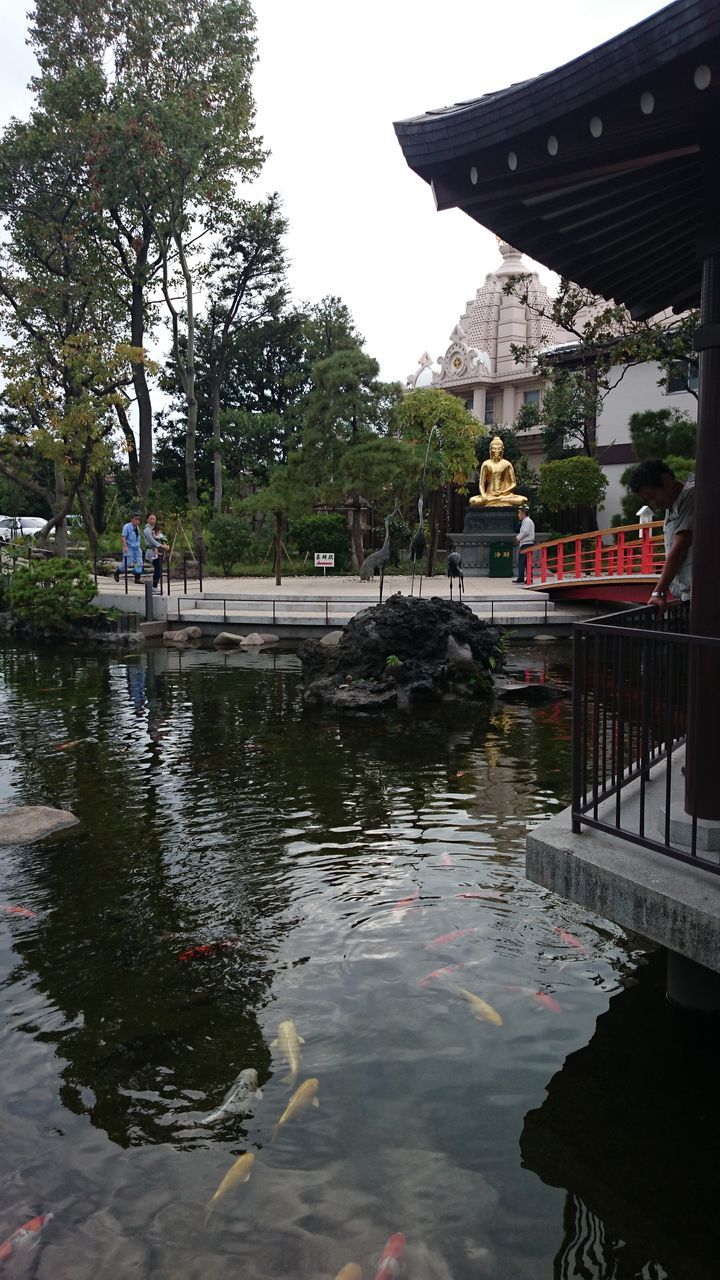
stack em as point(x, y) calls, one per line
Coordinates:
point(400, 653)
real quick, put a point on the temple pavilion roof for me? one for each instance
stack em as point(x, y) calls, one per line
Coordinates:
point(601, 168)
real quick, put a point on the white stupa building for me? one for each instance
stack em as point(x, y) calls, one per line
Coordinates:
point(479, 366)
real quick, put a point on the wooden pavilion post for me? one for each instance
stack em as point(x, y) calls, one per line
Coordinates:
point(702, 791)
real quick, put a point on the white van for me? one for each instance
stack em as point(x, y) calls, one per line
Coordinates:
point(21, 527)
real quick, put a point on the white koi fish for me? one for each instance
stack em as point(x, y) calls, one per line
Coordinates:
point(483, 1011)
point(289, 1043)
point(239, 1099)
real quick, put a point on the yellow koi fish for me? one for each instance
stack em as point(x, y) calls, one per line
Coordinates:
point(350, 1272)
point(289, 1042)
point(483, 1011)
point(238, 1172)
point(304, 1096)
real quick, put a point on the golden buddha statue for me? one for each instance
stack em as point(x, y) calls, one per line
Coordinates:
point(497, 480)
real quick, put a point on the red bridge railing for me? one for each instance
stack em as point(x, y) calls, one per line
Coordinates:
point(633, 550)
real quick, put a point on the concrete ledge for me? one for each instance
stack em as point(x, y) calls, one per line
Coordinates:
point(676, 905)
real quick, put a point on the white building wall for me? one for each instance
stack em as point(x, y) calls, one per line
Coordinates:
point(637, 390)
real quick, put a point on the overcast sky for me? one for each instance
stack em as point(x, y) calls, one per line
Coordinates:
point(333, 76)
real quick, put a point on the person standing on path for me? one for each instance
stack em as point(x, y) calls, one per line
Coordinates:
point(526, 541)
point(155, 548)
point(658, 486)
point(131, 553)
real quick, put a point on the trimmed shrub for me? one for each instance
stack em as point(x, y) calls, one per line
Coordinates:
point(51, 593)
point(323, 533)
point(229, 541)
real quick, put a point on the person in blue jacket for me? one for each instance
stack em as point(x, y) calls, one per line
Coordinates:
point(131, 553)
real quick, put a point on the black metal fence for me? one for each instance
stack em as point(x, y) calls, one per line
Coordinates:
point(632, 678)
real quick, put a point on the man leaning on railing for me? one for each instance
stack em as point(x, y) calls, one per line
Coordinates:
point(657, 485)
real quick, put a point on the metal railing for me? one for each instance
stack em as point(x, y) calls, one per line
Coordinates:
point(280, 611)
point(632, 677)
point(633, 550)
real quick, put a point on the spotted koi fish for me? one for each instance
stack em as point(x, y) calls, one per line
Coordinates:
point(391, 1258)
point(28, 1233)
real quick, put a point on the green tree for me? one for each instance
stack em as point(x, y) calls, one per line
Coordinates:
point(608, 340)
point(443, 434)
point(63, 360)
point(576, 486)
point(248, 271)
point(667, 434)
point(283, 497)
point(346, 406)
point(170, 147)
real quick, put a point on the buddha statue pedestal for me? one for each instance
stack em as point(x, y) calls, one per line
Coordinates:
point(487, 531)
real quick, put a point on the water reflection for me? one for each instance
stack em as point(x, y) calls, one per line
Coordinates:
point(631, 1126)
point(242, 862)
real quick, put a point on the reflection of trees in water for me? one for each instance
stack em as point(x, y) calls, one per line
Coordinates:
point(631, 1130)
point(183, 798)
point(587, 1253)
point(137, 1020)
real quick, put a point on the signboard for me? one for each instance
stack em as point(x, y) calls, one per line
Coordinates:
point(324, 559)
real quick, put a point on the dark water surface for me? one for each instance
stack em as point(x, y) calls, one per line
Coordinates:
point(579, 1138)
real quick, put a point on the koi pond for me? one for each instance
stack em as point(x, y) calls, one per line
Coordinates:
point(322, 911)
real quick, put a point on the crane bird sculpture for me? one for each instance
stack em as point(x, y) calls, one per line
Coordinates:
point(378, 559)
point(418, 544)
point(454, 571)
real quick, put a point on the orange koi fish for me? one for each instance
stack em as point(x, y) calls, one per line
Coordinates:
point(443, 938)
point(204, 950)
point(410, 900)
point(29, 1232)
point(18, 911)
point(544, 998)
point(391, 1258)
point(439, 973)
point(571, 940)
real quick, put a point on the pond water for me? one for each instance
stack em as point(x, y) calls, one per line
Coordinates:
point(242, 864)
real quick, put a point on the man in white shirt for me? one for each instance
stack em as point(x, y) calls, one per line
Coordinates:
point(657, 485)
point(525, 540)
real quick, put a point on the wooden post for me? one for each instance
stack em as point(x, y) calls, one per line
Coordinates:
point(702, 792)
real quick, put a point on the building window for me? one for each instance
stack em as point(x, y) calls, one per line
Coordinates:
point(489, 411)
point(531, 397)
point(682, 375)
point(469, 404)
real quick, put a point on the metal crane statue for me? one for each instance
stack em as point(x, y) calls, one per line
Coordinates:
point(454, 570)
point(378, 559)
point(418, 544)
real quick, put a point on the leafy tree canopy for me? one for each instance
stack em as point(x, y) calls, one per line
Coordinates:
point(571, 483)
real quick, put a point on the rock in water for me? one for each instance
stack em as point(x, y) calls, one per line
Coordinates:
point(22, 824)
point(401, 653)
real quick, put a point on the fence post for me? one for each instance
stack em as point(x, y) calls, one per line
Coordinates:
point(185, 558)
point(578, 688)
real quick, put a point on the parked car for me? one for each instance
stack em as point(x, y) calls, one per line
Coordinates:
point(21, 527)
